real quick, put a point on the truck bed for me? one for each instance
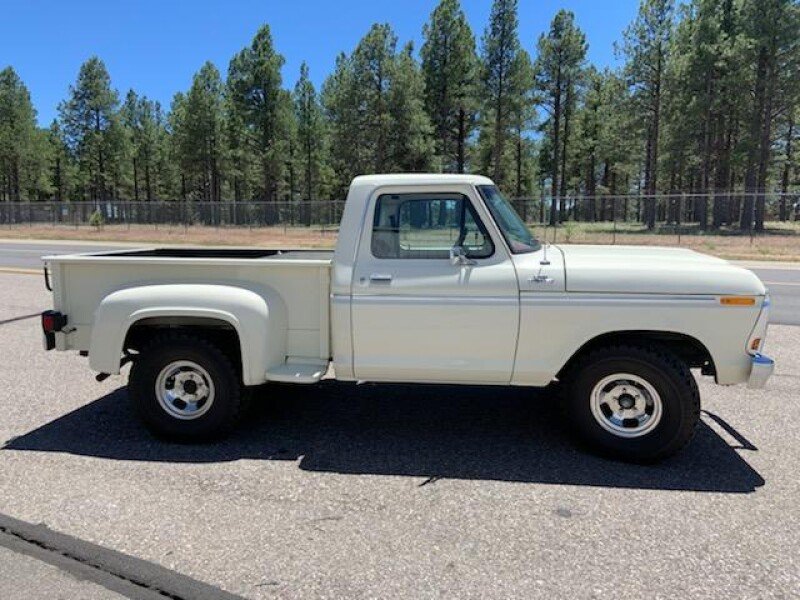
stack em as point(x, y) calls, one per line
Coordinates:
point(301, 278)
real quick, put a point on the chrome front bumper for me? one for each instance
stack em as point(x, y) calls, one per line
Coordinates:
point(760, 371)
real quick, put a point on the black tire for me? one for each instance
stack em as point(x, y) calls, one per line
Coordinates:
point(665, 372)
point(219, 418)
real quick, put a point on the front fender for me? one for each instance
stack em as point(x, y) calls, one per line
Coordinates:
point(259, 319)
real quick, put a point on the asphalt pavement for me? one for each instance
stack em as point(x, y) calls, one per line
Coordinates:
point(28, 254)
point(398, 491)
point(25, 577)
point(783, 281)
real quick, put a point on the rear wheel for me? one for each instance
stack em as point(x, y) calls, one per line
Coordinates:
point(636, 403)
point(185, 388)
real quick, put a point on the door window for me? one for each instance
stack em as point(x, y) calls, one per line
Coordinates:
point(427, 226)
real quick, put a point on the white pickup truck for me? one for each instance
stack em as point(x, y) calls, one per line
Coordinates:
point(434, 279)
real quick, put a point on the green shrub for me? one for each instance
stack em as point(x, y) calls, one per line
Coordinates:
point(96, 219)
point(570, 227)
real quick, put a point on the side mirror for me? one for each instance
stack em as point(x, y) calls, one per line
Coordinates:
point(458, 257)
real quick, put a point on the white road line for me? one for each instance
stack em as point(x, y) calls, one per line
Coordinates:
point(19, 271)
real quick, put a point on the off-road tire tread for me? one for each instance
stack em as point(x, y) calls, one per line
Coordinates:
point(224, 362)
point(661, 358)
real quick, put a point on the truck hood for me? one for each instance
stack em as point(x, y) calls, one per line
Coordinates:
point(653, 270)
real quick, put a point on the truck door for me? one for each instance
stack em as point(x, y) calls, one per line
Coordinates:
point(434, 293)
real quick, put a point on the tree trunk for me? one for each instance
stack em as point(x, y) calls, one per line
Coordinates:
point(652, 184)
point(147, 179)
point(309, 155)
point(563, 183)
point(556, 148)
point(135, 179)
point(462, 133)
point(753, 142)
point(707, 158)
point(519, 162)
point(787, 165)
point(499, 131)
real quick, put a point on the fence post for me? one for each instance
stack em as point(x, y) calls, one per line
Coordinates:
point(679, 216)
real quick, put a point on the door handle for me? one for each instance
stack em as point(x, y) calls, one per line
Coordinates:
point(380, 278)
point(540, 279)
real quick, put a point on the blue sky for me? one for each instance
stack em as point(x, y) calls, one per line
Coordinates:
point(155, 47)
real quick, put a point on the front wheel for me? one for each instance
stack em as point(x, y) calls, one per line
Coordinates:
point(635, 403)
point(185, 388)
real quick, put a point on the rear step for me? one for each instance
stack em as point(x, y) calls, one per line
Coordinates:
point(297, 372)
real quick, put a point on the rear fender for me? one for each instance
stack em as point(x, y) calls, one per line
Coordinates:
point(259, 319)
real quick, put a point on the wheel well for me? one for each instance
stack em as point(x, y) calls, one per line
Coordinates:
point(216, 331)
point(685, 347)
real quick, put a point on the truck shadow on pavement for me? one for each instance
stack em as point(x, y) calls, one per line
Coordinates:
point(433, 432)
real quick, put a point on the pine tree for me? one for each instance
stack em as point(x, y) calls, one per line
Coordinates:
point(91, 127)
point(522, 118)
point(450, 69)
point(499, 54)
point(372, 66)
point(789, 137)
point(771, 28)
point(311, 136)
point(589, 127)
point(197, 124)
point(61, 168)
point(374, 103)
point(343, 119)
point(410, 142)
point(646, 47)
point(254, 86)
point(561, 54)
point(129, 115)
point(22, 164)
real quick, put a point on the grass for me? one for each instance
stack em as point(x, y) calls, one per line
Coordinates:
point(779, 241)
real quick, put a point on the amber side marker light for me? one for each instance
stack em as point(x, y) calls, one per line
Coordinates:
point(737, 300)
point(755, 344)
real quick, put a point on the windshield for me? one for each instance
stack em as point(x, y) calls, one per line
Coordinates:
point(513, 228)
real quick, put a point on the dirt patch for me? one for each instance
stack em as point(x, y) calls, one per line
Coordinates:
point(273, 237)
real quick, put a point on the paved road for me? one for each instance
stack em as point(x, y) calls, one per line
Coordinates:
point(25, 577)
point(392, 491)
point(37, 562)
point(28, 255)
point(784, 288)
point(784, 283)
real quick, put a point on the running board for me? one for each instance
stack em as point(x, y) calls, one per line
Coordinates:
point(298, 372)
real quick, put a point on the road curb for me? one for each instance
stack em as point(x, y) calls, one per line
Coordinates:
point(114, 570)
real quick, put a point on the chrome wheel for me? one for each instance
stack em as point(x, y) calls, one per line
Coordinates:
point(626, 405)
point(184, 390)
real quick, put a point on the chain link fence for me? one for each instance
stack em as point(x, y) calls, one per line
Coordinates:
point(673, 214)
point(174, 213)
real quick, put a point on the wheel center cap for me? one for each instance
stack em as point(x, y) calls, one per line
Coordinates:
point(190, 387)
point(626, 401)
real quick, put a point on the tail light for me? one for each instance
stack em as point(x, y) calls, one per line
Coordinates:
point(52, 321)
